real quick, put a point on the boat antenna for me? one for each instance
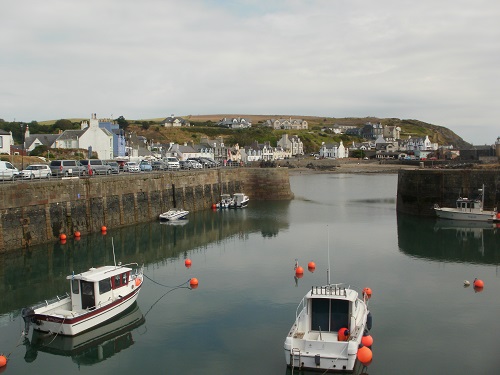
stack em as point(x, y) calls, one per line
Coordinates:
point(328, 269)
point(113, 247)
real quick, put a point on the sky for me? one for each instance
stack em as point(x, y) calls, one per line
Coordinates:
point(436, 61)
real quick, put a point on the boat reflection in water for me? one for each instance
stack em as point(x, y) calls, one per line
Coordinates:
point(90, 347)
point(449, 240)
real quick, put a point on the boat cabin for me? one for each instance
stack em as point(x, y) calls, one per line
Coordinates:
point(97, 286)
point(330, 308)
point(465, 204)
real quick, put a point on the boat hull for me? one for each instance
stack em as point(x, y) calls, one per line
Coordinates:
point(453, 214)
point(66, 323)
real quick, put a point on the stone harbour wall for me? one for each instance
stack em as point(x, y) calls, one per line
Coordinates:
point(37, 212)
point(419, 190)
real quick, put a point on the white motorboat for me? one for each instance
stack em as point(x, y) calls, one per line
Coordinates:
point(96, 296)
point(467, 209)
point(225, 201)
point(328, 329)
point(174, 214)
point(90, 347)
point(240, 200)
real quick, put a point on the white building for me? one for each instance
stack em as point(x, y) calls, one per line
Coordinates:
point(333, 150)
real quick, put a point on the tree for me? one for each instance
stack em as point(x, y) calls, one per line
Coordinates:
point(63, 125)
point(122, 123)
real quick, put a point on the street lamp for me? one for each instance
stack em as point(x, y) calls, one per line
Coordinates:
point(23, 135)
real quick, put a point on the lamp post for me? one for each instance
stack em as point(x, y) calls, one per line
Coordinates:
point(23, 135)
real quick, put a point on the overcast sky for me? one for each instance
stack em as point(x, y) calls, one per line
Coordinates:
point(436, 61)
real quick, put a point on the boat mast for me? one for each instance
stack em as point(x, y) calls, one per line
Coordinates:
point(482, 198)
point(328, 269)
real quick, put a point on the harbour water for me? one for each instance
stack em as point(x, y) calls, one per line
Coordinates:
point(424, 320)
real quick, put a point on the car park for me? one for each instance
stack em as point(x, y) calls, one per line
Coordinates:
point(115, 167)
point(145, 166)
point(131, 166)
point(67, 168)
point(35, 171)
point(8, 171)
point(96, 166)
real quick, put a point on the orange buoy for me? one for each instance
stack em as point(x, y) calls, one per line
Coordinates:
point(311, 265)
point(3, 360)
point(367, 292)
point(62, 236)
point(137, 282)
point(193, 283)
point(343, 334)
point(77, 234)
point(214, 206)
point(187, 263)
point(478, 283)
point(299, 271)
point(498, 215)
point(367, 340)
point(365, 354)
point(103, 229)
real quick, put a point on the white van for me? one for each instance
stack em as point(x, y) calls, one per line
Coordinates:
point(7, 171)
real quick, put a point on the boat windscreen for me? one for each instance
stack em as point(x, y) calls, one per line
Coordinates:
point(329, 315)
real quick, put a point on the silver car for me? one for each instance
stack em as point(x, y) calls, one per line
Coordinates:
point(131, 166)
point(35, 171)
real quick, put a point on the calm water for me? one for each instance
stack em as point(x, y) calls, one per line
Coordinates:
point(424, 320)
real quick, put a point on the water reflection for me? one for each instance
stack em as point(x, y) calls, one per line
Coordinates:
point(31, 275)
point(91, 347)
point(449, 240)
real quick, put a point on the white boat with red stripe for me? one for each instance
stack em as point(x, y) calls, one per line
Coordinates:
point(96, 296)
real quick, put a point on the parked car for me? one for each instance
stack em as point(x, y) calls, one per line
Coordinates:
point(35, 171)
point(8, 171)
point(209, 163)
point(131, 166)
point(158, 165)
point(97, 166)
point(145, 166)
point(115, 167)
point(67, 168)
point(172, 162)
point(195, 164)
point(185, 164)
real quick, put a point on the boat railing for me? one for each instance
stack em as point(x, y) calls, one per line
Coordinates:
point(50, 301)
point(329, 290)
point(300, 307)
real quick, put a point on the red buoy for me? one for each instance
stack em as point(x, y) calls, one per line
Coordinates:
point(343, 334)
point(187, 263)
point(367, 292)
point(193, 283)
point(311, 266)
point(478, 283)
point(498, 215)
point(62, 236)
point(367, 340)
point(104, 229)
point(299, 271)
point(77, 234)
point(365, 354)
point(3, 360)
point(137, 282)
point(214, 206)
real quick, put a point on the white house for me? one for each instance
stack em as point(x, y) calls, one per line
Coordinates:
point(5, 141)
point(333, 150)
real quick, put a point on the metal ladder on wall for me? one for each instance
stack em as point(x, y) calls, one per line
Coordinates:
point(295, 358)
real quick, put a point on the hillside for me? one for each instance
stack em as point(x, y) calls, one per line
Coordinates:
point(312, 138)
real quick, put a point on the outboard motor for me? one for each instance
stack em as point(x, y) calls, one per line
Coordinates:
point(27, 313)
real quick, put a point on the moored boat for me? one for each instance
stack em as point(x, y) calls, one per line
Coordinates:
point(240, 200)
point(174, 214)
point(96, 296)
point(467, 209)
point(225, 201)
point(328, 329)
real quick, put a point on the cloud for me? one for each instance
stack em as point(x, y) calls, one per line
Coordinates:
point(436, 62)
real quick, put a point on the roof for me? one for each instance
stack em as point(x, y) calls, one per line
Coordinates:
point(71, 134)
point(101, 273)
point(46, 139)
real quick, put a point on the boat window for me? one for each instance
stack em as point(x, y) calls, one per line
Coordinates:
point(87, 288)
point(74, 286)
point(104, 286)
point(329, 315)
point(124, 278)
point(116, 283)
